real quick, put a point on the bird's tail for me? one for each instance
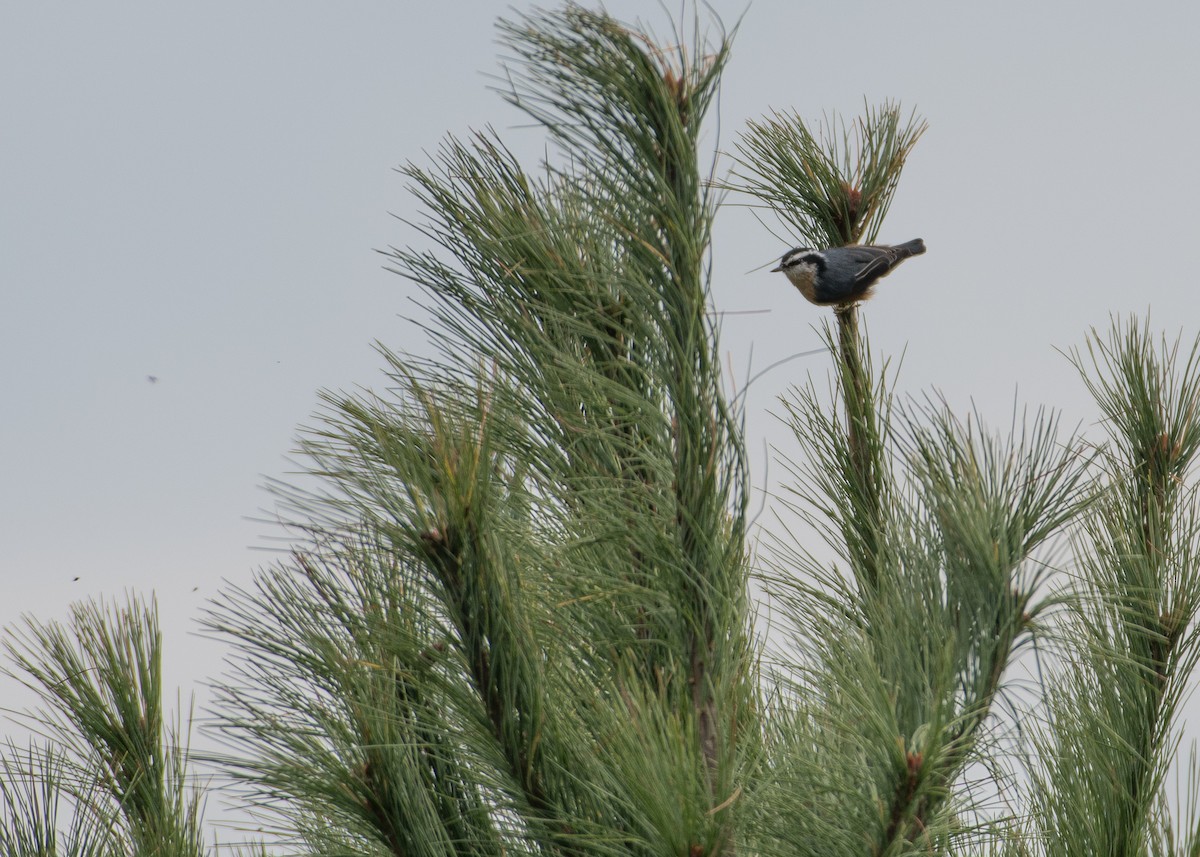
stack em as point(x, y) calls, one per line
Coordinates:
point(910, 248)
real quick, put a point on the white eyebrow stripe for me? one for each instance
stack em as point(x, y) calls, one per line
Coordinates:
point(794, 256)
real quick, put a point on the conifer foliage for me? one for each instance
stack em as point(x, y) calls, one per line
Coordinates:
point(517, 617)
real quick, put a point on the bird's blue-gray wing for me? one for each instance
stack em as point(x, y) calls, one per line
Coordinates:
point(872, 262)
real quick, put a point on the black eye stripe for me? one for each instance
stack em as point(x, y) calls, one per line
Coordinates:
point(795, 257)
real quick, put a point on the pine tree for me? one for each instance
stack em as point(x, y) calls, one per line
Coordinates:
point(517, 617)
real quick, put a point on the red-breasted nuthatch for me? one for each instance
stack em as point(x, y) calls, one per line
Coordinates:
point(843, 275)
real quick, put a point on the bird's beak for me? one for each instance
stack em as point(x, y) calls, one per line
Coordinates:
point(779, 268)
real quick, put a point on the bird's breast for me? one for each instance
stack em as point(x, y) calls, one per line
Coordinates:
point(804, 279)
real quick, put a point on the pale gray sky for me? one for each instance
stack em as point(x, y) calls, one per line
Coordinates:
point(193, 192)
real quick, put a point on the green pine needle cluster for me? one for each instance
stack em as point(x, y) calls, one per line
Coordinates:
point(111, 775)
point(830, 185)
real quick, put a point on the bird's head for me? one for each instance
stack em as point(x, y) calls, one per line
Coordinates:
point(798, 259)
point(801, 267)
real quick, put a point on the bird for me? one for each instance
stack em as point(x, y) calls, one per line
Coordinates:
point(843, 275)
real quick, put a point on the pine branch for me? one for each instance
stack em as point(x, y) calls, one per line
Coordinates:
point(1128, 645)
point(100, 680)
point(865, 444)
point(563, 486)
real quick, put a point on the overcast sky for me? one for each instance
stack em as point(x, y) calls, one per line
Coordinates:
point(191, 196)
